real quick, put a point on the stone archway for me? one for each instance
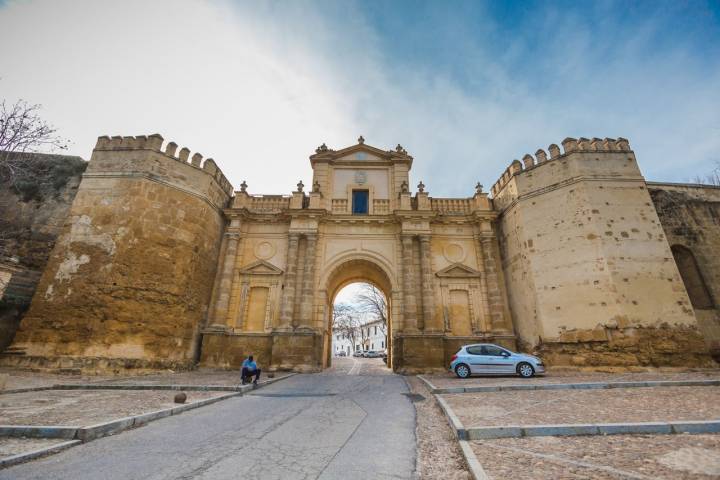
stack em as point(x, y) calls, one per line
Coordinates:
point(352, 271)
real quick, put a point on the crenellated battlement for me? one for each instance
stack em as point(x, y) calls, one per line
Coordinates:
point(569, 145)
point(154, 143)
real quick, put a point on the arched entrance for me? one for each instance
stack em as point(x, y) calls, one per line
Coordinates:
point(352, 271)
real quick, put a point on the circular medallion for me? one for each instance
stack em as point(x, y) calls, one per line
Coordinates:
point(454, 252)
point(264, 250)
point(360, 177)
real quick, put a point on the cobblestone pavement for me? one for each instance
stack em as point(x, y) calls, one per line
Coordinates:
point(449, 380)
point(533, 407)
point(643, 457)
point(14, 446)
point(18, 378)
point(85, 407)
point(335, 425)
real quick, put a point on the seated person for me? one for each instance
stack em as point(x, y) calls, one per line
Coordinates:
point(250, 368)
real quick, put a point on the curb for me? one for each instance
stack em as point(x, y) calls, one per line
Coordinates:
point(573, 386)
point(565, 430)
point(476, 470)
point(130, 386)
point(41, 452)
point(460, 432)
point(28, 389)
point(427, 383)
point(86, 434)
point(39, 431)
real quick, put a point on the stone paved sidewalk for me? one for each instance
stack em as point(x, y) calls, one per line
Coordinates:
point(644, 457)
point(534, 407)
point(85, 407)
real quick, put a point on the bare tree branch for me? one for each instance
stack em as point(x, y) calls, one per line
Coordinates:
point(712, 178)
point(22, 130)
point(371, 301)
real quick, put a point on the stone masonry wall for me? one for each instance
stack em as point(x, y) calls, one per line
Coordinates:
point(128, 282)
point(590, 273)
point(690, 217)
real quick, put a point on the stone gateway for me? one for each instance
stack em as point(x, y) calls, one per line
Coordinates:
point(160, 264)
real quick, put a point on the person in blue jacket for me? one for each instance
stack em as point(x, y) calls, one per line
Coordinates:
point(250, 368)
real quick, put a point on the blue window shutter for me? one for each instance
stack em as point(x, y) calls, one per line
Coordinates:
point(360, 201)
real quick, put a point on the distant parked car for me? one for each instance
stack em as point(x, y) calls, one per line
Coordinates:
point(341, 353)
point(490, 359)
point(373, 354)
point(357, 353)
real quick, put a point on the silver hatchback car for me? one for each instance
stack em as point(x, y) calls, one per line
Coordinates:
point(487, 358)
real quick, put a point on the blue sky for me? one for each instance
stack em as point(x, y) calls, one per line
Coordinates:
point(465, 87)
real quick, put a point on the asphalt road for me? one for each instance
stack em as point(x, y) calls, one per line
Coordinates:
point(350, 422)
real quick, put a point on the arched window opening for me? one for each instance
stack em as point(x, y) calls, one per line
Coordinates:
point(692, 278)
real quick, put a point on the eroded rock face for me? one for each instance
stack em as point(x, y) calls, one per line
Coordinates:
point(34, 204)
point(690, 217)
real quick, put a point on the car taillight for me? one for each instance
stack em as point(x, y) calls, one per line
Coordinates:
point(452, 359)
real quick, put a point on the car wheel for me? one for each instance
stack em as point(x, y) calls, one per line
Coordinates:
point(462, 371)
point(525, 370)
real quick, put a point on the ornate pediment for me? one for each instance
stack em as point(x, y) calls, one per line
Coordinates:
point(360, 152)
point(458, 270)
point(261, 267)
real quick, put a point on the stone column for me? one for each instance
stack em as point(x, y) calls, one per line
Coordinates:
point(287, 303)
point(428, 300)
point(307, 297)
point(410, 320)
point(494, 289)
point(222, 301)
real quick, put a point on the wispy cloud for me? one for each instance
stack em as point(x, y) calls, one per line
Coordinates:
point(465, 87)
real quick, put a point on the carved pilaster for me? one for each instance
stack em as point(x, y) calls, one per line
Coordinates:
point(495, 297)
point(428, 295)
point(410, 320)
point(222, 301)
point(306, 299)
point(288, 294)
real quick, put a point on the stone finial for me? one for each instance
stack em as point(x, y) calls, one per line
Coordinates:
point(421, 187)
point(596, 144)
point(196, 160)
point(361, 140)
point(569, 144)
point(184, 154)
point(541, 155)
point(321, 148)
point(154, 142)
point(243, 186)
point(515, 166)
point(400, 149)
point(171, 148)
point(623, 144)
point(583, 143)
point(554, 151)
point(478, 188)
point(404, 187)
point(528, 160)
point(300, 186)
point(316, 187)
